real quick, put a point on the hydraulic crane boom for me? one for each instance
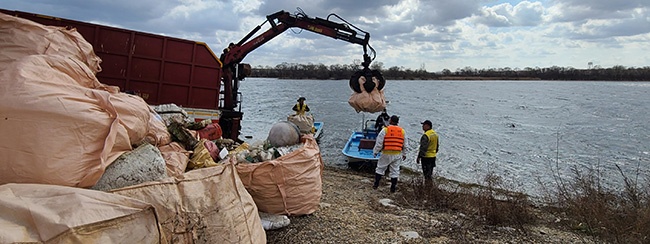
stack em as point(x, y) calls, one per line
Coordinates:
point(234, 71)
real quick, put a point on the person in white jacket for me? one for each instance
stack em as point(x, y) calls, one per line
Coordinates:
point(390, 141)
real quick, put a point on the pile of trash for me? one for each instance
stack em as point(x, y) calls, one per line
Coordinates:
point(204, 138)
point(261, 151)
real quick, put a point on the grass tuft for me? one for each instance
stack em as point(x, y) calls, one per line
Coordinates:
point(618, 216)
point(487, 201)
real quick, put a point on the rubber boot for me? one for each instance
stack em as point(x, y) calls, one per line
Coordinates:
point(377, 179)
point(428, 182)
point(393, 185)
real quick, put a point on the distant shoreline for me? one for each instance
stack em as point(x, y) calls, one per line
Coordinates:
point(322, 72)
point(485, 78)
point(457, 78)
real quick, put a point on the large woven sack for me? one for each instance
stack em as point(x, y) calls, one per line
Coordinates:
point(372, 102)
point(61, 125)
point(176, 158)
point(208, 205)
point(22, 37)
point(35, 213)
point(304, 122)
point(291, 184)
point(158, 135)
point(55, 131)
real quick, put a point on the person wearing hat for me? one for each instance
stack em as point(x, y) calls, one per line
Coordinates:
point(390, 141)
point(301, 107)
point(428, 150)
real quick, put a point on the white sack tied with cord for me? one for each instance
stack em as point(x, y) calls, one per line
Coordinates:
point(305, 122)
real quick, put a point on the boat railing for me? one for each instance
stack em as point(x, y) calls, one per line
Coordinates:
point(369, 131)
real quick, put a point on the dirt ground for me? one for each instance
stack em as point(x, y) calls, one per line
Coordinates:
point(351, 212)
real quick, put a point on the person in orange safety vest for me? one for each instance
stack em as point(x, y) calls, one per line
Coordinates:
point(390, 141)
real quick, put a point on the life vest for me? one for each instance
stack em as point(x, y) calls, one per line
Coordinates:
point(301, 109)
point(394, 139)
point(432, 150)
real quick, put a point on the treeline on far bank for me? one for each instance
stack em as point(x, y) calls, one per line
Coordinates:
point(342, 72)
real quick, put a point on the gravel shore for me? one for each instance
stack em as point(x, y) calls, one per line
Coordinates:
point(352, 212)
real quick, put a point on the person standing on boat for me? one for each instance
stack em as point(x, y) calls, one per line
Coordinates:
point(382, 120)
point(428, 150)
point(390, 141)
point(301, 107)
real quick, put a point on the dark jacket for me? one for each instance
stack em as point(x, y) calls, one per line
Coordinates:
point(381, 121)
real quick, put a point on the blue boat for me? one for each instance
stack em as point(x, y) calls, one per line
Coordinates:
point(360, 144)
point(318, 130)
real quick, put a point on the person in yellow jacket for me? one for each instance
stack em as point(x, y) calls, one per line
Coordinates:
point(428, 150)
point(390, 141)
point(301, 107)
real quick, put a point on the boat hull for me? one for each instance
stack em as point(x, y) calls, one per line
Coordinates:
point(318, 130)
point(359, 147)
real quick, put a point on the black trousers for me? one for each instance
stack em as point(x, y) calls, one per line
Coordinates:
point(427, 167)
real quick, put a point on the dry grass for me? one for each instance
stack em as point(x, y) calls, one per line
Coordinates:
point(618, 216)
point(584, 204)
point(502, 208)
point(487, 202)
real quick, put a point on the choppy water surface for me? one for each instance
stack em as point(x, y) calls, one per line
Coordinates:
point(519, 130)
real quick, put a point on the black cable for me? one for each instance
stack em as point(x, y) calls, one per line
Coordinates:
point(374, 53)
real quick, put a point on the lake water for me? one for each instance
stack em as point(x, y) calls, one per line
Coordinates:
point(519, 130)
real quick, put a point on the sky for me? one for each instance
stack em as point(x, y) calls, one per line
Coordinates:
point(410, 34)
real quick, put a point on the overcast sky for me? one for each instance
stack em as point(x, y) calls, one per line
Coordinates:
point(434, 34)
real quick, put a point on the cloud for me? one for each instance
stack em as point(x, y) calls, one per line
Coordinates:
point(128, 12)
point(354, 9)
point(580, 10)
point(289, 48)
point(322, 8)
point(176, 18)
point(525, 13)
point(630, 22)
point(606, 5)
point(310, 7)
point(445, 13)
point(433, 34)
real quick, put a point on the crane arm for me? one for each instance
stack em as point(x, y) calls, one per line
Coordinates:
point(281, 21)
